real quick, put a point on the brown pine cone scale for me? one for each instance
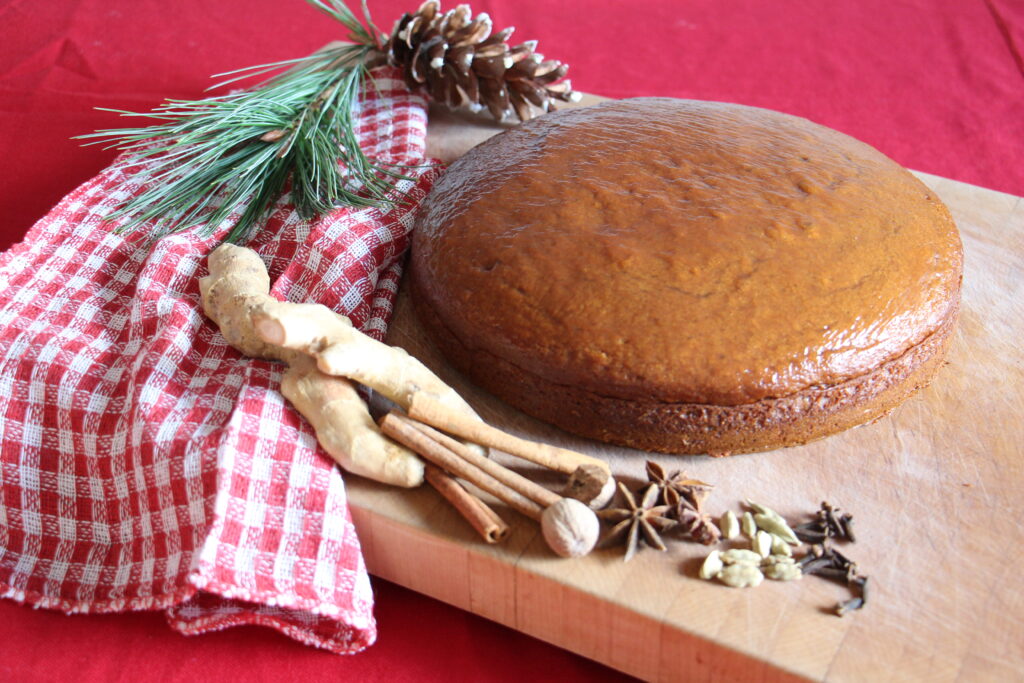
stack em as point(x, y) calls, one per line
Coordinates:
point(459, 61)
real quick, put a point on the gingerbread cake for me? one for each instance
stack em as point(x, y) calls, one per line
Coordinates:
point(687, 277)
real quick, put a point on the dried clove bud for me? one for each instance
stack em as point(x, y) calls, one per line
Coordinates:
point(833, 573)
point(841, 560)
point(811, 532)
point(828, 523)
point(818, 555)
point(815, 564)
point(829, 563)
point(861, 582)
point(846, 522)
point(848, 606)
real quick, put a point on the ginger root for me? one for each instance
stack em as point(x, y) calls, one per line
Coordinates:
point(342, 350)
point(237, 285)
point(236, 296)
point(345, 428)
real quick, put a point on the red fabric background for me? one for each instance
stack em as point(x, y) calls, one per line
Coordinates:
point(936, 84)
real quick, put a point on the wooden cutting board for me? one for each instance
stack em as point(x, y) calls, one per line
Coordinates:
point(935, 488)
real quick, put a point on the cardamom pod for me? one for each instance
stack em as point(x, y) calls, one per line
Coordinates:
point(783, 571)
point(741, 575)
point(712, 565)
point(764, 510)
point(740, 556)
point(780, 547)
point(777, 526)
point(762, 543)
point(729, 525)
point(748, 525)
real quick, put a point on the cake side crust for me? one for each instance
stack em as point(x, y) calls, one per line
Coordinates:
point(689, 428)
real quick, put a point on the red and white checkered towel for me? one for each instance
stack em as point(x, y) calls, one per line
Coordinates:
point(146, 464)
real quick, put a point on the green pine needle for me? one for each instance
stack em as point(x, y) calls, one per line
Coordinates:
point(209, 158)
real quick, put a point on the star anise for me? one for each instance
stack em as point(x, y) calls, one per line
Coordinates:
point(693, 490)
point(693, 521)
point(637, 520)
point(685, 498)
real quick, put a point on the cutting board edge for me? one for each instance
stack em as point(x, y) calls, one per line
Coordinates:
point(682, 654)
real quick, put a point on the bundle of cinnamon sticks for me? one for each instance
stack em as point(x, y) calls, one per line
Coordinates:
point(441, 435)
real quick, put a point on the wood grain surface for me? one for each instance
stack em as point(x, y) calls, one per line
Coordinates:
point(935, 488)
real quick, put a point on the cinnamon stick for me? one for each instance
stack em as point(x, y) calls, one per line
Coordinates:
point(479, 515)
point(513, 480)
point(398, 428)
point(426, 408)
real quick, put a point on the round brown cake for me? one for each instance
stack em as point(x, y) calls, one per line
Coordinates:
point(688, 277)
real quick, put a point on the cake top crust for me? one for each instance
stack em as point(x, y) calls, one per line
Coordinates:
point(685, 251)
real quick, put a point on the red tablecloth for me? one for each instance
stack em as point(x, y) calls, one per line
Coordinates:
point(936, 84)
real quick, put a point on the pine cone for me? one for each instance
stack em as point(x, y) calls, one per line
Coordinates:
point(459, 61)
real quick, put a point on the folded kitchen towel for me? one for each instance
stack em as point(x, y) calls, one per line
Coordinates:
point(148, 465)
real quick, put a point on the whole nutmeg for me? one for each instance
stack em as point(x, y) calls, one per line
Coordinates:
point(570, 528)
point(591, 484)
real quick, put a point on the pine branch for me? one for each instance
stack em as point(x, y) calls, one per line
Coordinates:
point(204, 160)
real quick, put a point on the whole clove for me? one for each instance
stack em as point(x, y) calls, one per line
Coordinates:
point(812, 565)
point(848, 606)
point(821, 556)
point(810, 532)
point(841, 559)
point(829, 523)
point(846, 523)
point(827, 514)
point(858, 584)
point(828, 563)
point(861, 582)
point(834, 573)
